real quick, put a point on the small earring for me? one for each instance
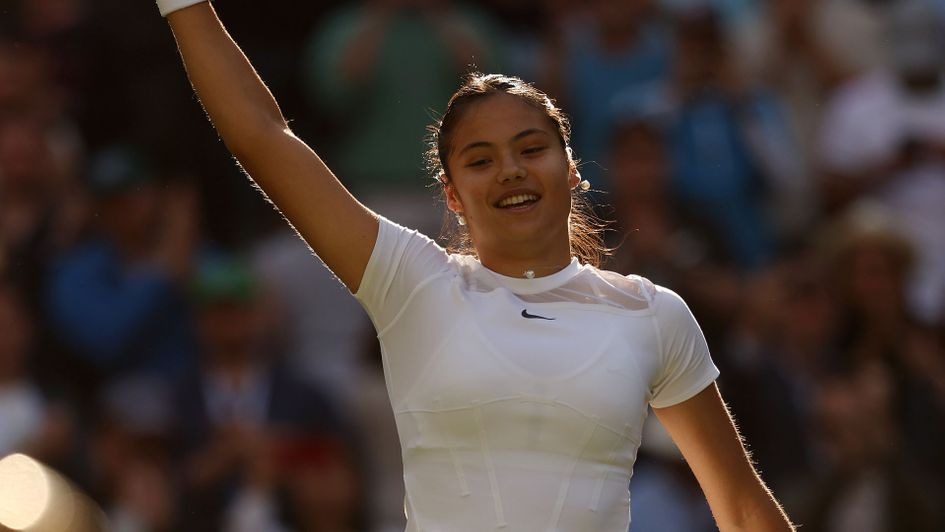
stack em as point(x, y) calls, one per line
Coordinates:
point(585, 185)
point(460, 219)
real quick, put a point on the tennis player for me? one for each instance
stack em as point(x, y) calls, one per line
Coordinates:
point(519, 372)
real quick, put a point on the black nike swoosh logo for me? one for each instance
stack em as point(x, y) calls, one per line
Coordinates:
point(525, 314)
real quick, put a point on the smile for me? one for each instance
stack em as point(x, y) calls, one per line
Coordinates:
point(518, 200)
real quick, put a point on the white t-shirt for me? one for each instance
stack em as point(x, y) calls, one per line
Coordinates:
point(520, 402)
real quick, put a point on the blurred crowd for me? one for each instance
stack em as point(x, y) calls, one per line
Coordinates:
point(172, 347)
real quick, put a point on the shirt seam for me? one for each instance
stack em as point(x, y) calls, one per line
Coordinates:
point(403, 308)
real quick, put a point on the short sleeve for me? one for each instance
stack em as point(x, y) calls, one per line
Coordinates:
point(685, 367)
point(402, 261)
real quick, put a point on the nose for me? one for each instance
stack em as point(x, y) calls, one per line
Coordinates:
point(512, 168)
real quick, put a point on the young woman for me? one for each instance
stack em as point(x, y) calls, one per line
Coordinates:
point(519, 376)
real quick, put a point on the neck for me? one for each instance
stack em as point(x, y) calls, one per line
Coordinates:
point(543, 250)
point(524, 264)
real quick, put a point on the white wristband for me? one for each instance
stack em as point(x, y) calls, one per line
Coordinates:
point(169, 6)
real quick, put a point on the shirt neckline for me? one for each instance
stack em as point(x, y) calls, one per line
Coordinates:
point(519, 285)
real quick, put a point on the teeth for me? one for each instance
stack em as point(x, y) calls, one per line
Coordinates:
point(517, 199)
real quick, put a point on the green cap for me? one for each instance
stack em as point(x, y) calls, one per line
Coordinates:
point(223, 279)
point(119, 168)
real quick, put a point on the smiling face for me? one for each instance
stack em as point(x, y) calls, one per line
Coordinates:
point(511, 178)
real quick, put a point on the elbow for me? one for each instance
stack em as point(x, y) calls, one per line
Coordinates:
point(256, 138)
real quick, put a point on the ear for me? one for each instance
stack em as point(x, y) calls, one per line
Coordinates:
point(453, 202)
point(574, 175)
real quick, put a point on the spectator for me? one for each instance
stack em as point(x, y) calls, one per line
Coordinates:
point(117, 298)
point(868, 482)
point(242, 411)
point(805, 47)
point(59, 28)
point(778, 348)
point(320, 492)
point(660, 237)
point(609, 61)
point(41, 210)
point(791, 44)
point(871, 261)
point(42, 215)
point(384, 62)
point(26, 75)
point(722, 138)
point(882, 138)
point(31, 423)
point(131, 465)
point(319, 322)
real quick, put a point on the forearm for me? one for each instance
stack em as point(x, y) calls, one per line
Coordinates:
point(338, 228)
point(707, 437)
point(740, 500)
point(237, 101)
point(756, 512)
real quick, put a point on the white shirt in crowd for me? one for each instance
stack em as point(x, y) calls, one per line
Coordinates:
point(865, 123)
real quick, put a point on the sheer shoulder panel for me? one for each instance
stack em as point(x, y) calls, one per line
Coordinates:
point(598, 287)
point(590, 286)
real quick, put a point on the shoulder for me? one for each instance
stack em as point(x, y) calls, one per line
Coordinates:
point(640, 293)
point(634, 284)
point(629, 292)
point(396, 243)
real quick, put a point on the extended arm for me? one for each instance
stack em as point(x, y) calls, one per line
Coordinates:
point(337, 227)
point(706, 435)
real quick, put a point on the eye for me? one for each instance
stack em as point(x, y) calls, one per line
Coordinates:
point(534, 149)
point(477, 163)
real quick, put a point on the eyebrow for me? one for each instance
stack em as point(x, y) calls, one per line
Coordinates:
point(518, 136)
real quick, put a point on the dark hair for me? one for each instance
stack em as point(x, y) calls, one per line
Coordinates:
point(584, 228)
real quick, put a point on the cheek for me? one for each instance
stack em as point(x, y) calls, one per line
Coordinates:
point(466, 191)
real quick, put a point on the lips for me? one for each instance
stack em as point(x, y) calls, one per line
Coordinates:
point(517, 198)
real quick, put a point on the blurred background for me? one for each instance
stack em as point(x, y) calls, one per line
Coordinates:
point(170, 347)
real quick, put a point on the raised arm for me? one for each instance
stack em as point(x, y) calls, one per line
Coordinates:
point(337, 227)
point(703, 430)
